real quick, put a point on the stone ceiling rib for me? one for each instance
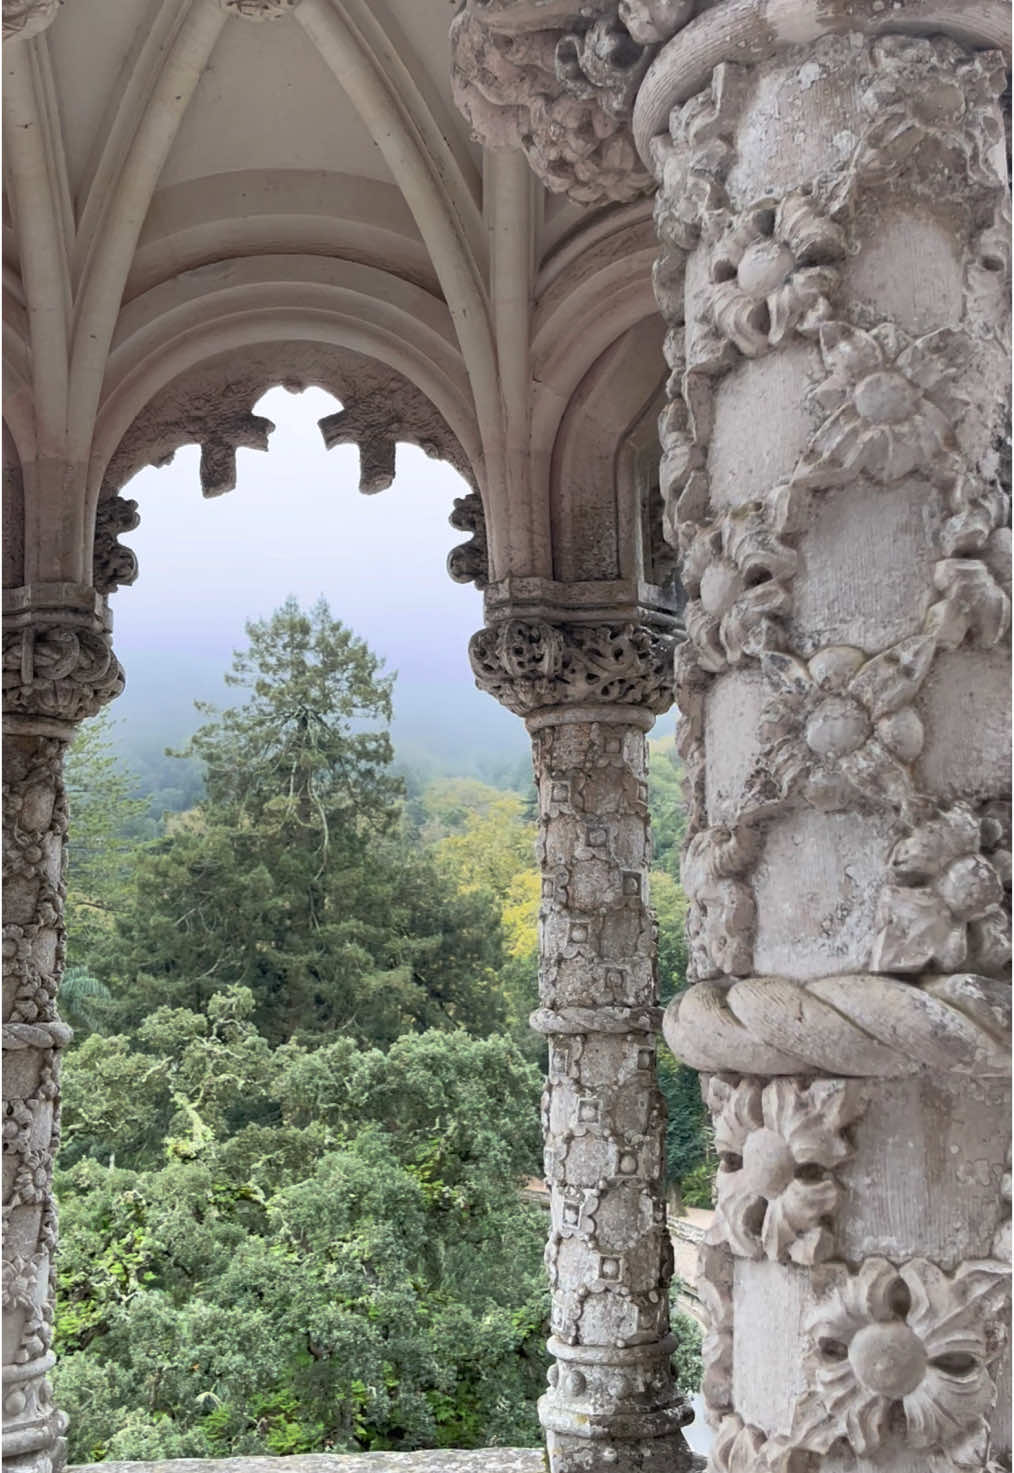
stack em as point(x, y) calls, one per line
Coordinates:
point(34, 186)
point(118, 129)
point(359, 58)
point(106, 271)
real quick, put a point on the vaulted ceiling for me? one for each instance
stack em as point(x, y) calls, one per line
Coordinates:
point(196, 188)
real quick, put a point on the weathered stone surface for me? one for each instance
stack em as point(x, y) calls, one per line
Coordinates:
point(482, 1460)
point(834, 485)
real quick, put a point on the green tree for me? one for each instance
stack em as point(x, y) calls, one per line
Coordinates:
point(290, 877)
point(106, 827)
point(313, 1250)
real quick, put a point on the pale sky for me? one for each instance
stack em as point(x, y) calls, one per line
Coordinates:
point(296, 523)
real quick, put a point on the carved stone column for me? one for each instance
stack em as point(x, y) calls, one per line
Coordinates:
point(836, 458)
point(57, 668)
point(589, 692)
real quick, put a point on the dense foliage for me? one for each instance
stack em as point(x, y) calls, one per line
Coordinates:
point(303, 1098)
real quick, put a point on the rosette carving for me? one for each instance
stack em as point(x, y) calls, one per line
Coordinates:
point(736, 573)
point(530, 664)
point(914, 1342)
point(779, 1145)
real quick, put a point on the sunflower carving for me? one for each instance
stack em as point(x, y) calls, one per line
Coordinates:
point(890, 405)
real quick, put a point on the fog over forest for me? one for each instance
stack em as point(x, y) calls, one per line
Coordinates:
point(297, 524)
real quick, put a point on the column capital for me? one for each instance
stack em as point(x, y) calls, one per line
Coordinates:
point(58, 661)
point(555, 671)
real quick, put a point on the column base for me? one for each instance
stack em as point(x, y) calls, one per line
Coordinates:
point(576, 1454)
point(33, 1427)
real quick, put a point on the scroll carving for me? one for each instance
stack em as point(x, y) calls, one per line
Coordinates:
point(113, 564)
point(469, 563)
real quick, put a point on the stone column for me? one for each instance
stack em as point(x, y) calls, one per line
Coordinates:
point(589, 693)
point(836, 242)
point(57, 668)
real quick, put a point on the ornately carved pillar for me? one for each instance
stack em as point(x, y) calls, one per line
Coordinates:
point(836, 241)
point(589, 692)
point(58, 668)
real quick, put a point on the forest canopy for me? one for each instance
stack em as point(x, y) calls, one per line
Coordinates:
point(303, 1098)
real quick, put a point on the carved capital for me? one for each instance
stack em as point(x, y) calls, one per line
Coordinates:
point(559, 81)
point(25, 18)
point(531, 666)
point(58, 662)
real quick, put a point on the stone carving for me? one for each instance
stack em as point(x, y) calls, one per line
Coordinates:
point(113, 565)
point(841, 726)
point(609, 1255)
point(988, 278)
point(59, 672)
point(469, 563)
point(933, 114)
point(862, 1024)
point(738, 1448)
point(736, 573)
point(559, 83)
point(714, 1288)
point(377, 421)
point(944, 906)
point(25, 18)
point(258, 10)
point(720, 925)
point(692, 160)
point(890, 401)
point(910, 1340)
point(779, 1145)
point(529, 664)
point(772, 272)
point(34, 836)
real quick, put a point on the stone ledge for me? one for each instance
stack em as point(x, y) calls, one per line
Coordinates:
point(478, 1460)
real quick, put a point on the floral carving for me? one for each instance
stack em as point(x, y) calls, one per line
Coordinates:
point(988, 277)
point(564, 95)
point(890, 402)
point(735, 573)
point(720, 925)
point(258, 10)
point(915, 1341)
point(779, 1145)
point(842, 725)
point(772, 273)
point(933, 108)
point(944, 907)
point(531, 664)
point(714, 1287)
point(738, 1447)
point(691, 162)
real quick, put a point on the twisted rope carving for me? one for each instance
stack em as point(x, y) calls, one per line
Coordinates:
point(862, 1025)
point(36, 1035)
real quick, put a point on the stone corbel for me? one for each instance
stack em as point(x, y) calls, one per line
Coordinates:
point(559, 80)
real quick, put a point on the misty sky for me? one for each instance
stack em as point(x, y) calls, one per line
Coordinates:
point(297, 523)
